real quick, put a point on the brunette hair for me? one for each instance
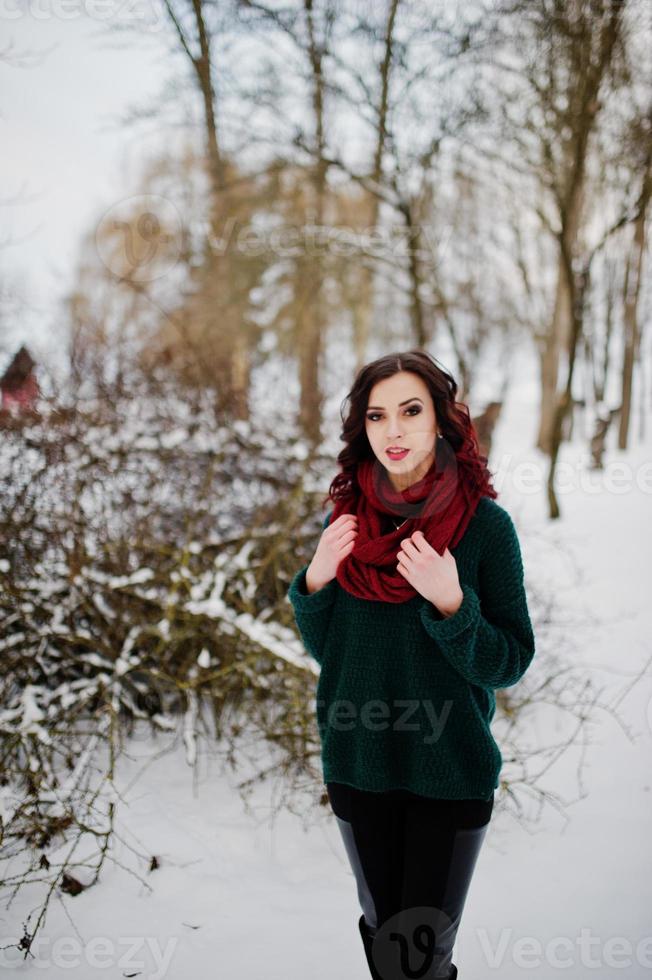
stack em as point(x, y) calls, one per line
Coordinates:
point(453, 420)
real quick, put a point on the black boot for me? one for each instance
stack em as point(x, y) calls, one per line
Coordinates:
point(367, 941)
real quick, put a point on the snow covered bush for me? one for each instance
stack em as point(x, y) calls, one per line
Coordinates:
point(147, 554)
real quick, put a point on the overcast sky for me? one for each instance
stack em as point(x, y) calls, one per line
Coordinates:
point(65, 157)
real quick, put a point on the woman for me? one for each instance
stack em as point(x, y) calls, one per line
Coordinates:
point(414, 606)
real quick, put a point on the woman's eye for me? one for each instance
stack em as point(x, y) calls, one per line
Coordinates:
point(374, 415)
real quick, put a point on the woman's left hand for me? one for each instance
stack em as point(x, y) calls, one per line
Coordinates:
point(434, 576)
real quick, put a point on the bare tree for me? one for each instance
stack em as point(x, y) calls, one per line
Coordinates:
point(199, 32)
point(560, 59)
point(308, 26)
point(642, 148)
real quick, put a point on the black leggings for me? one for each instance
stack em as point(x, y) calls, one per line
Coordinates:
point(413, 858)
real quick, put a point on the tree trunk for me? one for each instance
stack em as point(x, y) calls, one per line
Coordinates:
point(232, 345)
point(556, 340)
point(632, 288)
point(311, 325)
point(414, 271)
point(362, 320)
point(576, 287)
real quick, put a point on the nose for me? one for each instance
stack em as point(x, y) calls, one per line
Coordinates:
point(394, 432)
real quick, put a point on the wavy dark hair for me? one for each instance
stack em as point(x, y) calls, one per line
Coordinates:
point(453, 420)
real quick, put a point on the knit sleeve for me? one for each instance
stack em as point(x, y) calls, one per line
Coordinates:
point(312, 610)
point(489, 639)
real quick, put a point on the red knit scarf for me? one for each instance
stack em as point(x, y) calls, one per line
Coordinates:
point(440, 504)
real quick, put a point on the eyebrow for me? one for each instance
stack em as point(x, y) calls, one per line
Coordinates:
point(380, 408)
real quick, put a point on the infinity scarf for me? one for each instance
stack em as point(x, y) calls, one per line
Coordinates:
point(440, 504)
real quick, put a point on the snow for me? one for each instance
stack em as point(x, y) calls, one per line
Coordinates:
point(31, 714)
point(136, 578)
point(244, 893)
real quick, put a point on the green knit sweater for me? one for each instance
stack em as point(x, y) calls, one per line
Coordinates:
point(405, 696)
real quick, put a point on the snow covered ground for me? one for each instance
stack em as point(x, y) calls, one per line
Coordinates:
point(241, 897)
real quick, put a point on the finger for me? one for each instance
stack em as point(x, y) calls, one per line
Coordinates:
point(346, 526)
point(344, 519)
point(420, 541)
point(345, 539)
point(409, 547)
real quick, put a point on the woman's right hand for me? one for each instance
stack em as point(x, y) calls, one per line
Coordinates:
point(335, 543)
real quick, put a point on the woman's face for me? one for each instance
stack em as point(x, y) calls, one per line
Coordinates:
point(400, 413)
